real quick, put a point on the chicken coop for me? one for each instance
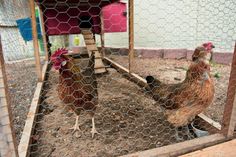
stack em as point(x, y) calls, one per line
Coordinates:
point(102, 78)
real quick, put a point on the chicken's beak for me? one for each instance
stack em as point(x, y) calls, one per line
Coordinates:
point(212, 46)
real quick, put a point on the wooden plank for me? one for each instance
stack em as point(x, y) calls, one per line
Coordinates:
point(45, 44)
point(88, 36)
point(210, 125)
point(213, 126)
point(31, 117)
point(8, 146)
point(35, 40)
point(180, 148)
point(89, 42)
point(229, 116)
point(92, 47)
point(226, 149)
point(102, 36)
point(126, 73)
point(86, 31)
point(131, 33)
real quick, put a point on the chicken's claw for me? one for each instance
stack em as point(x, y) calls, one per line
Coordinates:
point(94, 131)
point(76, 128)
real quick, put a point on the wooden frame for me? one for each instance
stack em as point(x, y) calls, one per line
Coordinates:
point(102, 36)
point(229, 116)
point(175, 149)
point(170, 150)
point(131, 33)
point(35, 40)
point(44, 34)
point(181, 148)
point(6, 127)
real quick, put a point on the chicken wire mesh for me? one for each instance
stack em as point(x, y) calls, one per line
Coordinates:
point(109, 114)
point(20, 72)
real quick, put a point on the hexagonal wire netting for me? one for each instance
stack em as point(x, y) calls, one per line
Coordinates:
point(89, 105)
point(20, 73)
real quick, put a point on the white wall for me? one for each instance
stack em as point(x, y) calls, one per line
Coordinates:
point(14, 47)
point(181, 24)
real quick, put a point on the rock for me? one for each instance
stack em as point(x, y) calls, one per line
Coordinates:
point(122, 124)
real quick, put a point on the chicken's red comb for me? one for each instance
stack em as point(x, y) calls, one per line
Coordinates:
point(207, 44)
point(59, 52)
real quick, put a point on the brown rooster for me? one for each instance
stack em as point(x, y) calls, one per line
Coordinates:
point(76, 88)
point(187, 99)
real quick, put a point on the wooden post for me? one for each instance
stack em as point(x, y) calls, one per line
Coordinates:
point(35, 41)
point(45, 44)
point(102, 36)
point(131, 33)
point(229, 117)
point(7, 134)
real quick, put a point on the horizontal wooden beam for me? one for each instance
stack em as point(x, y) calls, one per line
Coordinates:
point(226, 149)
point(126, 73)
point(31, 117)
point(181, 148)
point(209, 124)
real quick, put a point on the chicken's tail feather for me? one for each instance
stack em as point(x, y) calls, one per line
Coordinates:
point(152, 82)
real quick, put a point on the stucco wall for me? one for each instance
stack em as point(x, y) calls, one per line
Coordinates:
point(180, 24)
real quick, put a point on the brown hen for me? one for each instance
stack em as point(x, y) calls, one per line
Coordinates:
point(183, 101)
point(76, 88)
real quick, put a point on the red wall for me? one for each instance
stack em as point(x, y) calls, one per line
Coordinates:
point(65, 20)
point(115, 18)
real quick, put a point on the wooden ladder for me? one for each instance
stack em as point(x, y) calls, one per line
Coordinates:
point(91, 46)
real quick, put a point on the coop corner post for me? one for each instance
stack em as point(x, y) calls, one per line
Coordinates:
point(102, 37)
point(8, 147)
point(35, 40)
point(43, 33)
point(229, 116)
point(131, 33)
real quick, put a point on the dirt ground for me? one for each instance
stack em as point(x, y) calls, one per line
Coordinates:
point(22, 80)
point(128, 120)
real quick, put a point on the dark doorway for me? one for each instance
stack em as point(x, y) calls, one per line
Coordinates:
point(85, 22)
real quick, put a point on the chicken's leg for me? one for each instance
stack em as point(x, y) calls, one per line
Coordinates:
point(76, 126)
point(93, 131)
point(177, 137)
point(183, 133)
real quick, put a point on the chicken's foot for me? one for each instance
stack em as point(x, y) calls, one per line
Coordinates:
point(94, 131)
point(183, 133)
point(76, 128)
